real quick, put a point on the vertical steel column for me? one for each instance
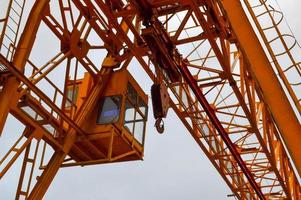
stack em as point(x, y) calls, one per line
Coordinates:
point(58, 157)
point(8, 96)
point(52, 168)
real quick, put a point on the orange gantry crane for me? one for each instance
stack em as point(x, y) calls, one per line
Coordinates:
point(227, 68)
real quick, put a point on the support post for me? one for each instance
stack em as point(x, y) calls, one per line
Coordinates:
point(8, 97)
point(58, 157)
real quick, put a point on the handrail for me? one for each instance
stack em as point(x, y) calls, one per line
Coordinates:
point(11, 28)
point(285, 62)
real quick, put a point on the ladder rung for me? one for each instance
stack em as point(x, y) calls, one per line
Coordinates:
point(10, 39)
point(11, 29)
point(3, 45)
point(23, 193)
point(66, 8)
point(30, 160)
point(15, 149)
point(16, 12)
point(17, 3)
point(13, 20)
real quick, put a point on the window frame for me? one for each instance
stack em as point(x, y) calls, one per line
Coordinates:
point(137, 109)
point(100, 108)
point(72, 96)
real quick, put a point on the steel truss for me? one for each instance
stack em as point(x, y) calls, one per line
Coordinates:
point(216, 96)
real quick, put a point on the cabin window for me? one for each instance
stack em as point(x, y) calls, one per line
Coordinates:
point(135, 114)
point(72, 96)
point(109, 110)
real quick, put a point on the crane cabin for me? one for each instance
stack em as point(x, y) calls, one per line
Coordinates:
point(116, 126)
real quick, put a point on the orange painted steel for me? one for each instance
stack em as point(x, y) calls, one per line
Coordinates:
point(281, 47)
point(201, 53)
point(272, 92)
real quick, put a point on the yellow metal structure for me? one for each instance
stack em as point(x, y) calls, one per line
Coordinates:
point(236, 94)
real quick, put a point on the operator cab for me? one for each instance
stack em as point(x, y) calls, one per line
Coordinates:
point(117, 125)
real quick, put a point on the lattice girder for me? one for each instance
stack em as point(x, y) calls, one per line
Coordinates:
point(201, 34)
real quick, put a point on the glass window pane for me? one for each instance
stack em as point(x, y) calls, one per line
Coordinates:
point(129, 117)
point(132, 94)
point(142, 107)
point(135, 114)
point(129, 113)
point(70, 94)
point(139, 127)
point(129, 127)
point(109, 110)
point(138, 116)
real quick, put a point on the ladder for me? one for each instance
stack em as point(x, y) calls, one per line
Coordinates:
point(280, 43)
point(10, 28)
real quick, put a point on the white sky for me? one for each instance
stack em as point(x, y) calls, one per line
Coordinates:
point(174, 166)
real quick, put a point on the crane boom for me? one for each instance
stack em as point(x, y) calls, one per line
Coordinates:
point(281, 109)
point(221, 86)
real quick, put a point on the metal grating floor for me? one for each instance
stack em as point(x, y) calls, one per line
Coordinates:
point(2, 68)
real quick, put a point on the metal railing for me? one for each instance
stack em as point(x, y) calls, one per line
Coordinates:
point(283, 48)
point(10, 27)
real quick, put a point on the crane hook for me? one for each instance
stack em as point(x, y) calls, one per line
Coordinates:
point(159, 124)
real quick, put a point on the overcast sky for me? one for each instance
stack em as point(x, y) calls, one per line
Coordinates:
point(174, 166)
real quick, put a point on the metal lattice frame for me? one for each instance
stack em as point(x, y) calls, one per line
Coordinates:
point(243, 142)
